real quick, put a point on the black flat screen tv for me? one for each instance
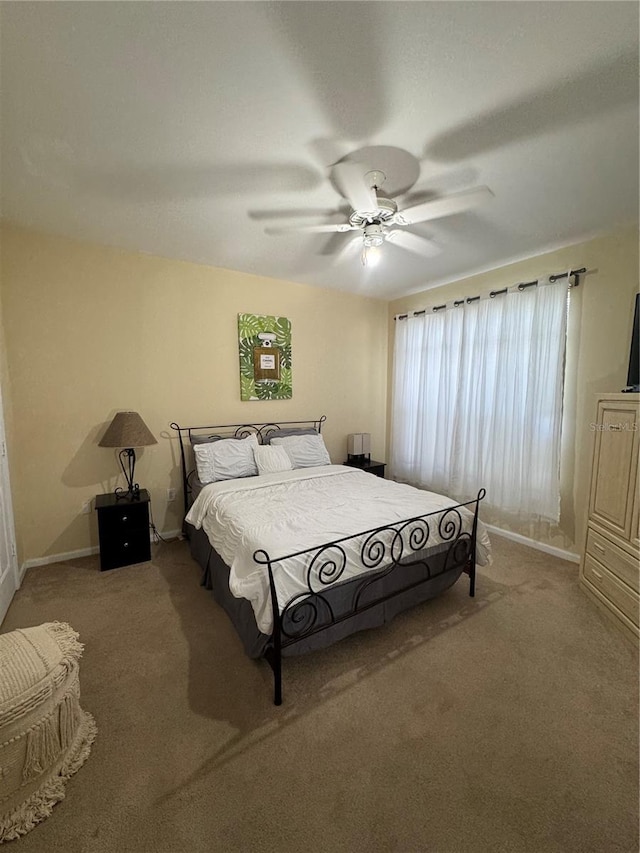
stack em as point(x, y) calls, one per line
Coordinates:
point(633, 375)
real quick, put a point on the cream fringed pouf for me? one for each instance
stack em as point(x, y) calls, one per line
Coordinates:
point(45, 736)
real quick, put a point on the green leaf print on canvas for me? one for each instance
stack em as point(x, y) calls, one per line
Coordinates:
point(249, 325)
point(265, 391)
point(285, 357)
point(247, 388)
point(246, 357)
point(282, 331)
point(257, 380)
point(283, 392)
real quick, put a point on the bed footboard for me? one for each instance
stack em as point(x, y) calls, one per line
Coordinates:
point(400, 549)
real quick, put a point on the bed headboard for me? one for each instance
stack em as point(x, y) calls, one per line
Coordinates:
point(185, 434)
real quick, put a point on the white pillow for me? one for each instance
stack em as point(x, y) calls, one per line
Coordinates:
point(226, 459)
point(304, 451)
point(270, 459)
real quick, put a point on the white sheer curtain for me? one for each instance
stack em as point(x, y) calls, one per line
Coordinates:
point(477, 400)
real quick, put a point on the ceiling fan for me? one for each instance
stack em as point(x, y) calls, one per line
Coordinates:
point(379, 219)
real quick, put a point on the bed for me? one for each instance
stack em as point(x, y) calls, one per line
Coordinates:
point(301, 557)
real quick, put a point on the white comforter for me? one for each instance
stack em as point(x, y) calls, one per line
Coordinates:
point(300, 509)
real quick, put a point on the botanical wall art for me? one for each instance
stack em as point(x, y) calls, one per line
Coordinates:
point(265, 357)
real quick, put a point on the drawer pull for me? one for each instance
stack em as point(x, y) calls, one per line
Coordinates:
point(615, 427)
point(596, 574)
point(597, 547)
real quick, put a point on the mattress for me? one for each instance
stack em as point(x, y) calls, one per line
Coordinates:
point(195, 486)
point(294, 511)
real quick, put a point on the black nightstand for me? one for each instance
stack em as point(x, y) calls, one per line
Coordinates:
point(369, 465)
point(123, 527)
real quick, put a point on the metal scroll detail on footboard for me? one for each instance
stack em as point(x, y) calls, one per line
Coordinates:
point(437, 543)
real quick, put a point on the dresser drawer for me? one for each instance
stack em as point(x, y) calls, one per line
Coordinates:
point(121, 519)
point(613, 589)
point(124, 550)
point(619, 562)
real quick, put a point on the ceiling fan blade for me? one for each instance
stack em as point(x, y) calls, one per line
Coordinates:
point(293, 213)
point(596, 90)
point(349, 249)
point(324, 64)
point(440, 207)
point(310, 229)
point(333, 243)
point(413, 243)
point(163, 182)
point(350, 180)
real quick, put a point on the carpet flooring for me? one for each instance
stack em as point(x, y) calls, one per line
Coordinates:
point(508, 722)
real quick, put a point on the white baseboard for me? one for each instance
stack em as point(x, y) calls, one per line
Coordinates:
point(174, 534)
point(170, 534)
point(533, 543)
point(82, 552)
point(59, 558)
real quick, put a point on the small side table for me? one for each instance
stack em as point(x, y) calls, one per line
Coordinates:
point(123, 528)
point(369, 465)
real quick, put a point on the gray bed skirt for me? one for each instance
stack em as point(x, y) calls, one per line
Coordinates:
point(239, 610)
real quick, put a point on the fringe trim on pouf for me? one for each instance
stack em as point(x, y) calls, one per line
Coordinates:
point(68, 718)
point(40, 804)
point(40, 677)
point(43, 747)
point(67, 639)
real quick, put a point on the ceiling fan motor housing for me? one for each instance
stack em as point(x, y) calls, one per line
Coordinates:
point(384, 212)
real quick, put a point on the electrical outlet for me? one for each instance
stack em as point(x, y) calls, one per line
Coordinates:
point(171, 494)
point(86, 507)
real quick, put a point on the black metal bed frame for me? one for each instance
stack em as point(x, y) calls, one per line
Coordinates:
point(383, 551)
point(261, 431)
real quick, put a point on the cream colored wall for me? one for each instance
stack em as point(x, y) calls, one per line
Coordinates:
point(5, 389)
point(599, 334)
point(6, 408)
point(92, 330)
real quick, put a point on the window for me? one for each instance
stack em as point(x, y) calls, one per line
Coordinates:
point(477, 400)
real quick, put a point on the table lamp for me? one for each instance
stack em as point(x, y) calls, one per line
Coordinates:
point(359, 447)
point(127, 430)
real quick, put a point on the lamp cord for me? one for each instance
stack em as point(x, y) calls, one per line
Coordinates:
point(156, 533)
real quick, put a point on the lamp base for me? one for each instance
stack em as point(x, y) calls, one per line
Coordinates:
point(128, 465)
point(132, 494)
point(359, 458)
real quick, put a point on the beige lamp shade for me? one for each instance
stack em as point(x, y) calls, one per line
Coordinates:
point(127, 429)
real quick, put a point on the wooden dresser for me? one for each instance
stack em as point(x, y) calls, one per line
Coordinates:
point(610, 567)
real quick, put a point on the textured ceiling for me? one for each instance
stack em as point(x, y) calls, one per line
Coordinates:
point(185, 129)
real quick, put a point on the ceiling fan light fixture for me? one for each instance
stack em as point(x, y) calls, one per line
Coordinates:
point(373, 236)
point(371, 255)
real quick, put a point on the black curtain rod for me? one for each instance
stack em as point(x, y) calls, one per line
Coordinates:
point(567, 274)
point(522, 286)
